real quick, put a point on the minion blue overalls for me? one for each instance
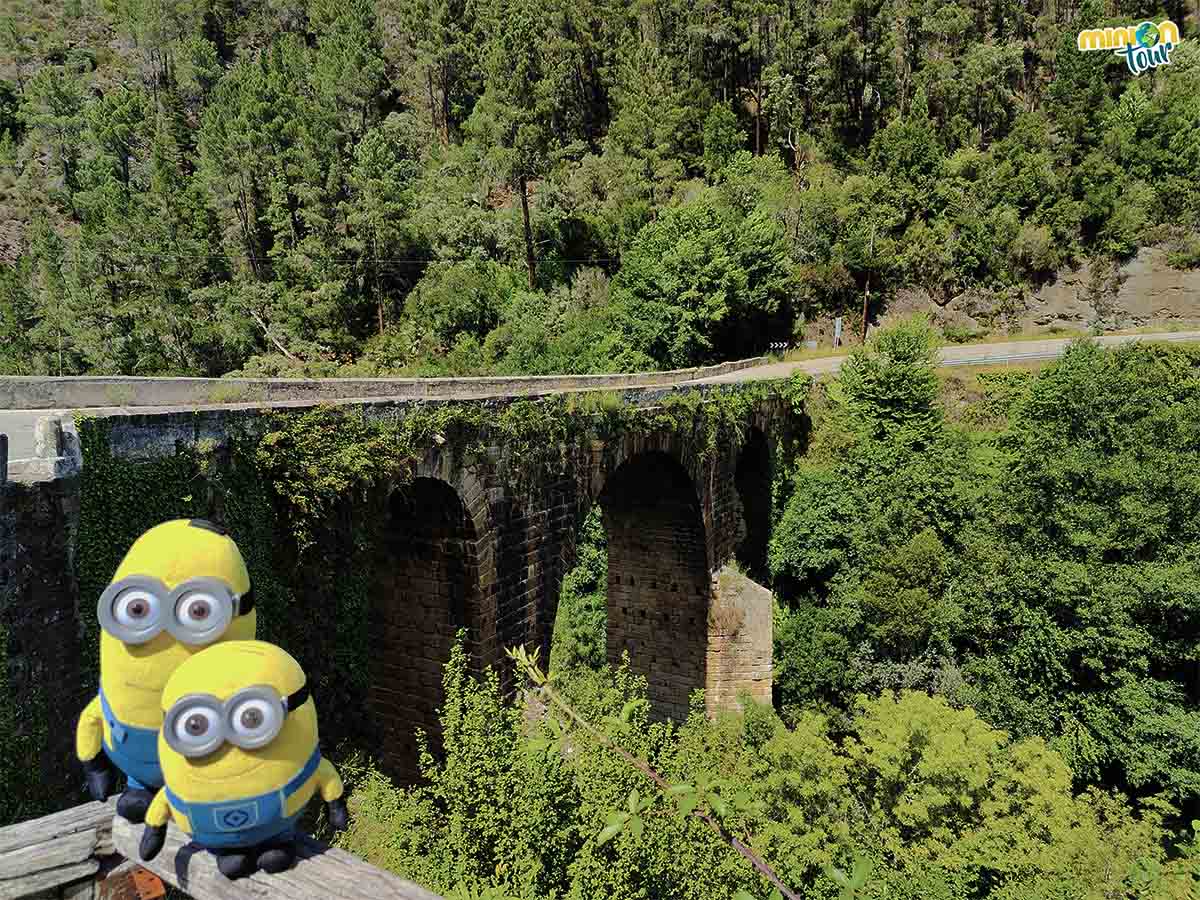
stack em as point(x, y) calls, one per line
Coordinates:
point(247, 822)
point(133, 750)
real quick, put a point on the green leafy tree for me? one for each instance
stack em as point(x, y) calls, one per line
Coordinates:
point(722, 138)
point(516, 116)
point(580, 626)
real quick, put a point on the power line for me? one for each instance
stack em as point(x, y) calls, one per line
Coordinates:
point(406, 260)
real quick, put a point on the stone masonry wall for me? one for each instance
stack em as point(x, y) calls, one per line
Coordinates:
point(739, 641)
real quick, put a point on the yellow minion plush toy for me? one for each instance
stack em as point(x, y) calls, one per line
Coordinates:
point(240, 758)
point(182, 586)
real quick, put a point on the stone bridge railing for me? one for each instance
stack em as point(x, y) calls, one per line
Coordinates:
point(88, 392)
point(69, 855)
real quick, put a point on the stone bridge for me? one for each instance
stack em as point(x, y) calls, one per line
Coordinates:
point(465, 549)
point(463, 545)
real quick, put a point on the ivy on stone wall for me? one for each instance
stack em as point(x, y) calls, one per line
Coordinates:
point(119, 499)
point(23, 734)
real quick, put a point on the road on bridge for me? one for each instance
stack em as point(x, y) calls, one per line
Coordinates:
point(19, 424)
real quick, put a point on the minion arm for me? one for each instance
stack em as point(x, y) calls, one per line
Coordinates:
point(329, 783)
point(154, 835)
point(159, 812)
point(89, 733)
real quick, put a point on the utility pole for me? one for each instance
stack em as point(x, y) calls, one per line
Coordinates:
point(867, 295)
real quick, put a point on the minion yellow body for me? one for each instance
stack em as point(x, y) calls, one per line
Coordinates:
point(240, 755)
point(124, 718)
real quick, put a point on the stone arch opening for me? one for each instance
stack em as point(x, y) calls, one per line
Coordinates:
point(426, 590)
point(579, 624)
point(659, 585)
point(752, 479)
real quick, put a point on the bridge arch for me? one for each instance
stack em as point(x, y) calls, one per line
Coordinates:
point(659, 582)
point(427, 588)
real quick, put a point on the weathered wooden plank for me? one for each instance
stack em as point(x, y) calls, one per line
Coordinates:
point(90, 816)
point(320, 873)
point(40, 881)
point(57, 853)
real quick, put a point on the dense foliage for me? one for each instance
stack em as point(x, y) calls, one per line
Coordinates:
point(580, 625)
point(433, 186)
point(940, 803)
point(1045, 571)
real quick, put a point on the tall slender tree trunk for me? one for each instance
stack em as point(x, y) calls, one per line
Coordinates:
point(530, 262)
point(447, 78)
point(378, 298)
point(758, 99)
point(758, 104)
point(433, 104)
point(866, 305)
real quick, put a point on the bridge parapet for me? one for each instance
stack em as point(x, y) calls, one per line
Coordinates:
point(87, 392)
point(67, 854)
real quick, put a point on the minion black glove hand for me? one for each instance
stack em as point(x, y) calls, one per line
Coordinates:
point(339, 818)
point(153, 837)
point(101, 776)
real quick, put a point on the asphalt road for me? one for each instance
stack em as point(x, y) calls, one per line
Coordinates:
point(958, 355)
point(19, 425)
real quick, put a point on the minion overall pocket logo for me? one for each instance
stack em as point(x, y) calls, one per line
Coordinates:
point(1144, 46)
point(235, 818)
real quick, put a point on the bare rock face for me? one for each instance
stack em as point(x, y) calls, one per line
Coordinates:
point(975, 310)
point(1145, 291)
point(1152, 292)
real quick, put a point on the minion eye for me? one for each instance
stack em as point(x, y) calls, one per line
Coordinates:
point(196, 610)
point(135, 608)
point(201, 616)
point(195, 729)
point(255, 722)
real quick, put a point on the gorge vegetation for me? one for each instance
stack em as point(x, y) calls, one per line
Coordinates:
point(986, 637)
point(433, 186)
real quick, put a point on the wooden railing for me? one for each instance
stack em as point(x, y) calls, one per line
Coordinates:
point(63, 857)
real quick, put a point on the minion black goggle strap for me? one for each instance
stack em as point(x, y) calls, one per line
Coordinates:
point(198, 724)
point(138, 608)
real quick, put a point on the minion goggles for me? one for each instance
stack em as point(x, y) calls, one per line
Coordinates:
point(138, 608)
point(198, 724)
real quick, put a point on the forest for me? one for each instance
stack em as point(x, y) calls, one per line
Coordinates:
point(360, 187)
point(987, 615)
